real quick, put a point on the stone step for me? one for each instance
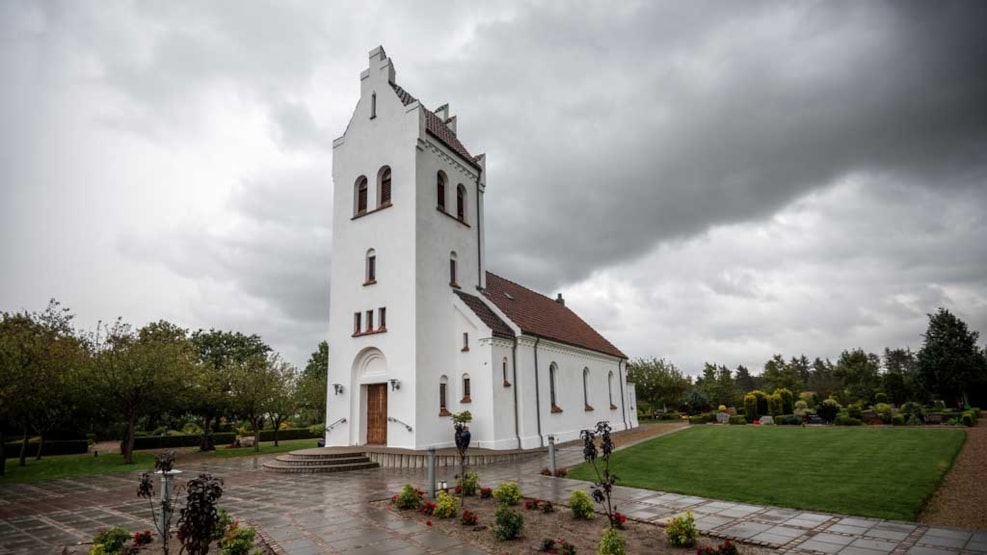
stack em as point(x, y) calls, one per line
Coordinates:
point(295, 459)
point(321, 454)
point(294, 468)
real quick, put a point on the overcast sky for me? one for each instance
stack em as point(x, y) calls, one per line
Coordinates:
point(703, 181)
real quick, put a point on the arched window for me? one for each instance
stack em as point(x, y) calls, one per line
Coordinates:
point(553, 372)
point(610, 390)
point(440, 190)
point(384, 186)
point(586, 389)
point(444, 396)
point(466, 388)
point(452, 269)
point(360, 195)
point(373, 105)
point(507, 382)
point(461, 202)
point(371, 269)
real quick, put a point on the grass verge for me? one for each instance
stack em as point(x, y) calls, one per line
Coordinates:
point(266, 448)
point(878, 472)
point(68, 466)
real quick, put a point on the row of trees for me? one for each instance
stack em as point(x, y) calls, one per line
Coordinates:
point(54, 377)
point(949, 367)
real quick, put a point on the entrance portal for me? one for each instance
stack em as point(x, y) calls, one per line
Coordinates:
point(377, 414)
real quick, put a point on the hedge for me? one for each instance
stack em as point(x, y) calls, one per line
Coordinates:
point(738, 420)
point(12, 450)
point(288, 433)
point(182, 440)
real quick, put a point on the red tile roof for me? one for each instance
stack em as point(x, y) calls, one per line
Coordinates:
point(437, 127)
point(483, 312)
point(541, 316)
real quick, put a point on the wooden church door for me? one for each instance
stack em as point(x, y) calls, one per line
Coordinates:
point(377, 414)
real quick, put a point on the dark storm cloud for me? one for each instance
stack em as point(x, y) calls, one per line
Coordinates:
point(654, 122)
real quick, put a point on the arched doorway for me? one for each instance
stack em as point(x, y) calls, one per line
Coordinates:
point(370, 372)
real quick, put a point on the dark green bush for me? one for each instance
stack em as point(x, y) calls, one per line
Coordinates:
point(738, 420)
point(508, 523)
point(846, 420)
point(828, 409)
point(182, 440)
point(898, 420)
point(968, 419)
point(12, 450)
point(880, 397)
point(789, 420)
point(670, 415)
point(289, 433)
point(855, 410)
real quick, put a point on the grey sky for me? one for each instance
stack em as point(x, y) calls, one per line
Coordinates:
point(703, 180)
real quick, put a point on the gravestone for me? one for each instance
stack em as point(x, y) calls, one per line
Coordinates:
point(816, 419)
point(767, 420)
point(933, 419)
point(723, 417)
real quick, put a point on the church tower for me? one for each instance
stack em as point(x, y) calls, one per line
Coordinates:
point(407, 235)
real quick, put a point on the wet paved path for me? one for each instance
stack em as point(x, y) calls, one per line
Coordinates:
point(328, 513)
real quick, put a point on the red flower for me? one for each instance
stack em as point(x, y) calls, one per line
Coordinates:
point(428, 523)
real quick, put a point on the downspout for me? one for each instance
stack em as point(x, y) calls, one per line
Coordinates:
point(517, 425)
point(479, 226)
point(541, 440)
point(623, 399)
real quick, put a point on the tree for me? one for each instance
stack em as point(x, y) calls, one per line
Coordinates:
point(823, 379)
point(141, 373)
point(313, 384)
point(658, 381)
point(745, 382)
point(900, 380)
point(950, 365)
point(252, 382)
point(777, 374)
point(218, 351)
point(284, 395)
point(859, 372)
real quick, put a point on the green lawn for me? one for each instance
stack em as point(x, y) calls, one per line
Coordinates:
point(879, 472)
point(68, 466)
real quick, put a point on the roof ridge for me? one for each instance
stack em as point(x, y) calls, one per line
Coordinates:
point(524, 287)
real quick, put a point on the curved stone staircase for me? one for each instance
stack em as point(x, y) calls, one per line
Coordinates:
point(312, 461)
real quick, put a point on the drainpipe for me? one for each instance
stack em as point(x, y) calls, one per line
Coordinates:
point(517, 425)
point(479, 226)
point(623, 400)
point(541, 440)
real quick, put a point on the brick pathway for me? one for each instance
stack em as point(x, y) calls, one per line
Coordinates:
point(310, 514)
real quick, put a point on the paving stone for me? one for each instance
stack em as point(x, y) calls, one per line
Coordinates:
point(876, 545)
point(709, 522)
point(883, 534)
point(786, 532)
point(920, 550)
point(976, 547)
point(822, 547)
point(833, 539)
point(949, 533)
point(771, 539)
point(745, 530)
point(859, 522)
point(846, 529)
point(942, 541)
point(851, 550)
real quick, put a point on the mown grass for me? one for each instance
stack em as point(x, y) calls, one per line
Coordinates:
point(878, 472)
point(71, 466)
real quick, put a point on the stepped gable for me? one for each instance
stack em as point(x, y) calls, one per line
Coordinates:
point(541, 316)
point(487, 316)
point(436, 127)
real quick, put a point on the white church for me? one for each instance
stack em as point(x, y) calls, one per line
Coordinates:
point(419, 329)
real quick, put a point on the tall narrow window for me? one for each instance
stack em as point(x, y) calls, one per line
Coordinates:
point(373, 105)
point(371, 271)
point(370, 320)
point(504, 371)
point(452, 269)
point(466, 388)
point(466, 341)
point(360, 191)
point(443, 396)
point(553, 371)
point(440, 190)
point(356, 323)
point(384, 187)
point(586, 389)
point(461, 203)
point(382, 318)
point(610, 391)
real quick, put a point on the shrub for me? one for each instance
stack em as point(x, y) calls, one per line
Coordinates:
point(883, 411)
point(547, 507)
point(738, 420)
point(199, 517)
point(317, 430)
point(12, 450)
point(880, 397)
point(855, 410)
point(486, 493)
point(725, 548)
point(828, 409)
point(581, 505)
point(787, 400)
point(560, 471)
point(755, 404)
point(561, 547)
point(611, 543)
point(898, 420)
point(180, 440)
point(801, 408)
point(469, 518)
point(222, 524)
point(790, 420)
point(508, 523)
point(913, 409)
point(470, 483)
point(507, 493)
point(681, 530)
point(968, 419)
point(237, 541)
point(111, 540)
point(290, 433)
point(775, 406)
point(446, 506)
point(847, 420)
point(409, 498)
